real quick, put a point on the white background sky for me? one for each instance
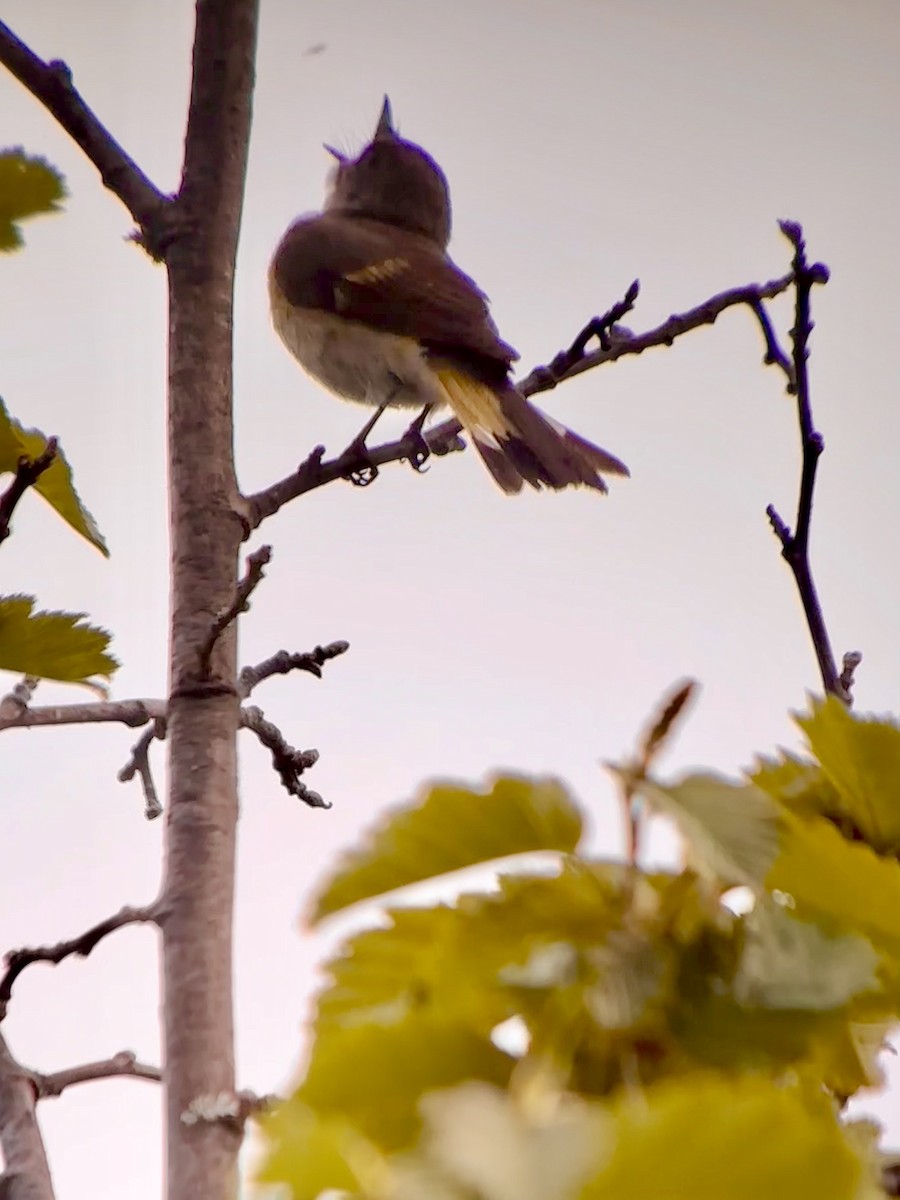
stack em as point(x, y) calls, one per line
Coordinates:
point(587, 143)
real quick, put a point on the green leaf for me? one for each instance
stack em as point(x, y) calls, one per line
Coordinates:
point(634, 980)
point(450, 827)
point(11, 445)
point(732, 830)
point(55, 484)
point(799, 784)
point(28, 186)
point(487, 1143)
point(844, 882)
point(433, 962)
point(789, 963)
point(706, 1138)
point(861, 758)
point(52, 645)
point(311, 1153)
point(375, 1075)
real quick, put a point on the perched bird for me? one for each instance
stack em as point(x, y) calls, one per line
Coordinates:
point(367, 300)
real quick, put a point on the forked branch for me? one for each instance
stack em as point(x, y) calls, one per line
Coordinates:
point(316, 471)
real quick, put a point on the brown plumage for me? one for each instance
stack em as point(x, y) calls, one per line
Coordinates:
point(366, 298)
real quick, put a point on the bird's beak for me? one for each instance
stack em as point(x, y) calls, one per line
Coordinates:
point(342, 158)
point(385, 128)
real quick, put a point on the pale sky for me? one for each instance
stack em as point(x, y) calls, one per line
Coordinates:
point(587, 142)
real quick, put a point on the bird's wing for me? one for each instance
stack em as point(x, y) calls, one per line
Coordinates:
point(391, 280)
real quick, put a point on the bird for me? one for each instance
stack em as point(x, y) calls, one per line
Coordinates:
point(366, 298)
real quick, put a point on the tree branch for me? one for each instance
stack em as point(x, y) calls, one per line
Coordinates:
point(122, 1064)
point(27, 1174)
point(284, 662)
point(28, 472)
point(795, 545)
point(239, 604)
point(288, 762)
point(127, 712)
point(315, 471)
point(18, 960)
point(139, 764)
point(51, 84)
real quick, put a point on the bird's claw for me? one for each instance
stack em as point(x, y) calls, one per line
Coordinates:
point(419, 451)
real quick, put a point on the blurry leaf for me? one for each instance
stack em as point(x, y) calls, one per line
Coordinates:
point(492, 1147)
point(429, 962)
point(452, 827)
point(634, 978)
point(55, 484)
point(311, 1153)
point(788, 963)
point(799, 784)
point(52, 645)
point(861, 758)
point(28, 186)
point(845, 882)
point(375, 1075)
point(661, 728)
point(705, 1138)
point(732, 830)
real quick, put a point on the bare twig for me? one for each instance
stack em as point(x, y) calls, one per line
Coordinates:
point(27, 1174)
point(28, 472)
point(127, 712)
point(284, 662)
point(122, 1064)
point(18, 960)
point(795, 545)
point(288, 762)
point(444, 438)
point(241, 602)
point(139, 764)
point(51, 84)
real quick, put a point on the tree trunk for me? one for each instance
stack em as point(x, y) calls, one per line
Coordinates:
point(198, 889)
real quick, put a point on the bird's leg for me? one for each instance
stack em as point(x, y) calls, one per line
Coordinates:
point(420, 451)
point(360, 469)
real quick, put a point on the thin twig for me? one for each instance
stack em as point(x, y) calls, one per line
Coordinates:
point(51, 84)
point(139, 764)
point(795, 545)
point(316, 471)
point(284, 662)
point(126, 712)
point(239, 604)
point(122, 1064)
point(289, 763)
point(28, 472)
point(18, 960)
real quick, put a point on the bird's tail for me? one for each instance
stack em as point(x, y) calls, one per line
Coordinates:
point(520, 444)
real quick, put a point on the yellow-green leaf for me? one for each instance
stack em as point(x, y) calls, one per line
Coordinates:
point(375, 1075)
point(844, 882)
point(52, 645)
point(434, 962)
point(311, 1153)
point(488, 1143)
point(450, 827)
point(707, 1138)
point(732, 830)
point(55, 484)
point(861, 758)
point(789, 963)
point(28, 186)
